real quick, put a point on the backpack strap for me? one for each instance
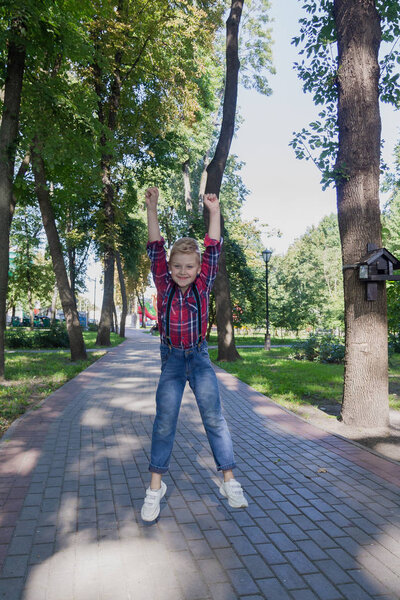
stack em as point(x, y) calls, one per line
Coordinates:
point(167, 320)
point(197, 296)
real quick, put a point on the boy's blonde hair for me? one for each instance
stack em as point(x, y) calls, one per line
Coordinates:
point(186, 245)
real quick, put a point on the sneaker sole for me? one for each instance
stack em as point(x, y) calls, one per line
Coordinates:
point(157, 511)
point(230, 502)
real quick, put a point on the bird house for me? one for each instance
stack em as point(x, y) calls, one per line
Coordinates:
point(376, 266)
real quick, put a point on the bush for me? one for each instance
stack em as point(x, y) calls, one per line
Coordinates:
point(394, 343)
point(319, 348)
point(54, 337)
point(93, 327)
point(18, 338)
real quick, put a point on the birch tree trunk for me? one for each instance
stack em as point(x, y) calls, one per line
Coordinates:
point(8, 141)
point(365, 397)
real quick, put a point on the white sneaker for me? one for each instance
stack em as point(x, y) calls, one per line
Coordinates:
point(234, 492)
point(151, 505)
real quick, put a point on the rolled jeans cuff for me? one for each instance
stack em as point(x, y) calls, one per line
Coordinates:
point(227, 467)
point(160, 470)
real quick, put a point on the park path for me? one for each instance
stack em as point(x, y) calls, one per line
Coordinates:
point(323, 520)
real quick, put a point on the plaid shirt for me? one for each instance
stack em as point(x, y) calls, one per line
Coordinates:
point(183, 317)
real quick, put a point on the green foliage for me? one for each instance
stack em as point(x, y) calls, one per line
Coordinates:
point(318, 72)
point(306, 283)
point(324, 348)
point(32, 278)
point(54, 337)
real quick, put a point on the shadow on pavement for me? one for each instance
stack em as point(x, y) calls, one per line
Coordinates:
point(318, 525)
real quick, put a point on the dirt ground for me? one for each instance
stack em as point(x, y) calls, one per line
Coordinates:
point(384, 441)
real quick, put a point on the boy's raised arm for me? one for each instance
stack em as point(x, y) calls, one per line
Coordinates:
point(214, 227)
point(151, 197)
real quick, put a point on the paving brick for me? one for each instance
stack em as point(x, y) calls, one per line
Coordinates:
point(304, 595)
point(222, 591)
point(300, 562)
point(212, 571)
point(353, 591)
point(20, 545)
point(200, 549)
point(271, 554)
point(321, 586)
point(288, 576)
point(15, 566)
point(257, 567)
point(242, 546)
point(11, 588)
point(228, 558)
point(272, 589)
point(242, 581)
point(41, 552)
point(311, 549)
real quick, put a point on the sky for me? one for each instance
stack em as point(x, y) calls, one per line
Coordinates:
point(285, 192)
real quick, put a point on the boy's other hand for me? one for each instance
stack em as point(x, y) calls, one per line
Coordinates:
point(151, 197)
point(211, 202)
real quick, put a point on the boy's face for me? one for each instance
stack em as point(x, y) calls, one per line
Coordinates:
point(184, 269)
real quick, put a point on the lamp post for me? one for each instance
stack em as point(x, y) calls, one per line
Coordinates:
point(94, 301)
point(266, 254)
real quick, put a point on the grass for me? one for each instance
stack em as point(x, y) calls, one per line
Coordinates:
point(253, 339)
point(90, 339)
point(294, 383)
point(31, 377)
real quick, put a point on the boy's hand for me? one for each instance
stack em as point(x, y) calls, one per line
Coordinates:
point(211, 202)
point(151, 197)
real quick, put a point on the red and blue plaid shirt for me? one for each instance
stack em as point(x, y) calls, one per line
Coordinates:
point(183, 316)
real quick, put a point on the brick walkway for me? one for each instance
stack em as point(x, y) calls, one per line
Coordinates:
point(323, 520)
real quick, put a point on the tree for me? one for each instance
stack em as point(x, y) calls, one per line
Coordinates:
point(146, 71)
point(32, 277)
point(77, 344)
point(306, 283)
point(8, 142)
point(350, 82)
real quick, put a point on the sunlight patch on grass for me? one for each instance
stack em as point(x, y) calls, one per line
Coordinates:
point(32, 377)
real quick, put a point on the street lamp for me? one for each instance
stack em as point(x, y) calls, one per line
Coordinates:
point(266, 254)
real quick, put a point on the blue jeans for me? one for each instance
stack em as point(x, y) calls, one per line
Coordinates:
point(177, 367)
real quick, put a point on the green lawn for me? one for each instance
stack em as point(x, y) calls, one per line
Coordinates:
point(292, 382)
point(254, 339)
point(30, 377)
point(90, 339)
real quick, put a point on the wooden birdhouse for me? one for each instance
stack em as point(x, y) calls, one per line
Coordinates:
point(377, 265)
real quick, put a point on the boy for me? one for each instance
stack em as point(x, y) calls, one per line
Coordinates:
point(183, 290)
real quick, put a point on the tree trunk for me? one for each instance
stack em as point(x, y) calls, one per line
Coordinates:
point(187, 188)
point(115, 324)
point(215, 170)
point(53, 304)
point(103, 333)
point(113, 103)
point(365, 396)
point(77, 345)
point(123, 295)
point(8, 141)
point(23, 168)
